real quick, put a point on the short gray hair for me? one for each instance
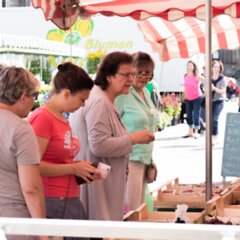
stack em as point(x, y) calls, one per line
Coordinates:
point(14, 81)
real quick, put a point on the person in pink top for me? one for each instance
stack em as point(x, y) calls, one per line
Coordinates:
point(58, 145)
point(193, 98)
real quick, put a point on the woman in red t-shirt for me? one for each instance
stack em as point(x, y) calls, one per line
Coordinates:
point(58, 146)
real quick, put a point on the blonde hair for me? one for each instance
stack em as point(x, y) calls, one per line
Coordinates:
point(14, 81)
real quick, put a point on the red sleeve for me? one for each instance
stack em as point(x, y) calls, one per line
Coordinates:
point(42, 123)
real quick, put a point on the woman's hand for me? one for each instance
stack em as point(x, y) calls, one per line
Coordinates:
point(86, 171)
point(142, 137)
point(213, 88)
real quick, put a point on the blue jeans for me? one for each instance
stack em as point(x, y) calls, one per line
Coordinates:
point(217, 107)
point(193, 112)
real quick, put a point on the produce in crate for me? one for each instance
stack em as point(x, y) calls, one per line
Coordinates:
point(194, 195)
point(210, 219)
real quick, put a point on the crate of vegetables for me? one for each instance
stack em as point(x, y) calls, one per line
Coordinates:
point(193, 195)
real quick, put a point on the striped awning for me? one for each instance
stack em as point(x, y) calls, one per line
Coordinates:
point(65, 12)
point(186, 37)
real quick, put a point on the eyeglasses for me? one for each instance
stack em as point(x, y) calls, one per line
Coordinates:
point(144, 74)
point(35, 95)
point(126, 75)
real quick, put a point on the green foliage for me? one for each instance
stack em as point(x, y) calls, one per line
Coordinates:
point(35, 66)
point(93, 59)
point(46, 75)
point(92, 64)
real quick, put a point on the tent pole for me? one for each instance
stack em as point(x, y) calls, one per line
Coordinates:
point(161, 73)
point(208, 109)
point(71, 43)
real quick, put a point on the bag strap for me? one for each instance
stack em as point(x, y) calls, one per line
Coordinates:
point(220, 78)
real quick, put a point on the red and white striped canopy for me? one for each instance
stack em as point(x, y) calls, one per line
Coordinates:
point(186, 37)
point(65, 12)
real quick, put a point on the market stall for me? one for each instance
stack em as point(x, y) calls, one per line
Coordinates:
point(64, 14)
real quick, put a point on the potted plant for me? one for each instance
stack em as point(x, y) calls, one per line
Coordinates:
point(164, 121)
point(171, 104)
point(93, 59)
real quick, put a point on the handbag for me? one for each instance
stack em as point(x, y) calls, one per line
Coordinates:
point(151, 173)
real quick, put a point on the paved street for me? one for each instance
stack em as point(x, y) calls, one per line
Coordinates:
point(185, 157)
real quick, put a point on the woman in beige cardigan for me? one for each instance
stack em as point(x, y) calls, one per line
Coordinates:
point(103, 138)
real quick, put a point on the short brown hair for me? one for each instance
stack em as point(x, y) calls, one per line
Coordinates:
point(220, 64)
point(14, 81)
point(141, 59)
point(110, 66)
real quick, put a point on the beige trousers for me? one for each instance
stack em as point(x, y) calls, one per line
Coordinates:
point(136, 184)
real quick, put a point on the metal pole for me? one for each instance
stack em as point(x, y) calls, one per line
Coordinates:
point(71, 43)
point(208, 109)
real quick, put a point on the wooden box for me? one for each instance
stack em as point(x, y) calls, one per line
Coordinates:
point(193, 195)
point(227, 205)
point(142, 214)
point(226, 210)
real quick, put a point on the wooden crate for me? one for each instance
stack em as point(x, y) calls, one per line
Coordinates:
point(225, 205)
point(232, 196)
point(142, 214)
point(193, 195)
point(234, 220)
point(225, 211)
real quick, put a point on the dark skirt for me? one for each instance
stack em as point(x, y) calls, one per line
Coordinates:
point(66, 208)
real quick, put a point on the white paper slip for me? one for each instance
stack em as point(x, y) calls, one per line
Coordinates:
point(104, 169)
